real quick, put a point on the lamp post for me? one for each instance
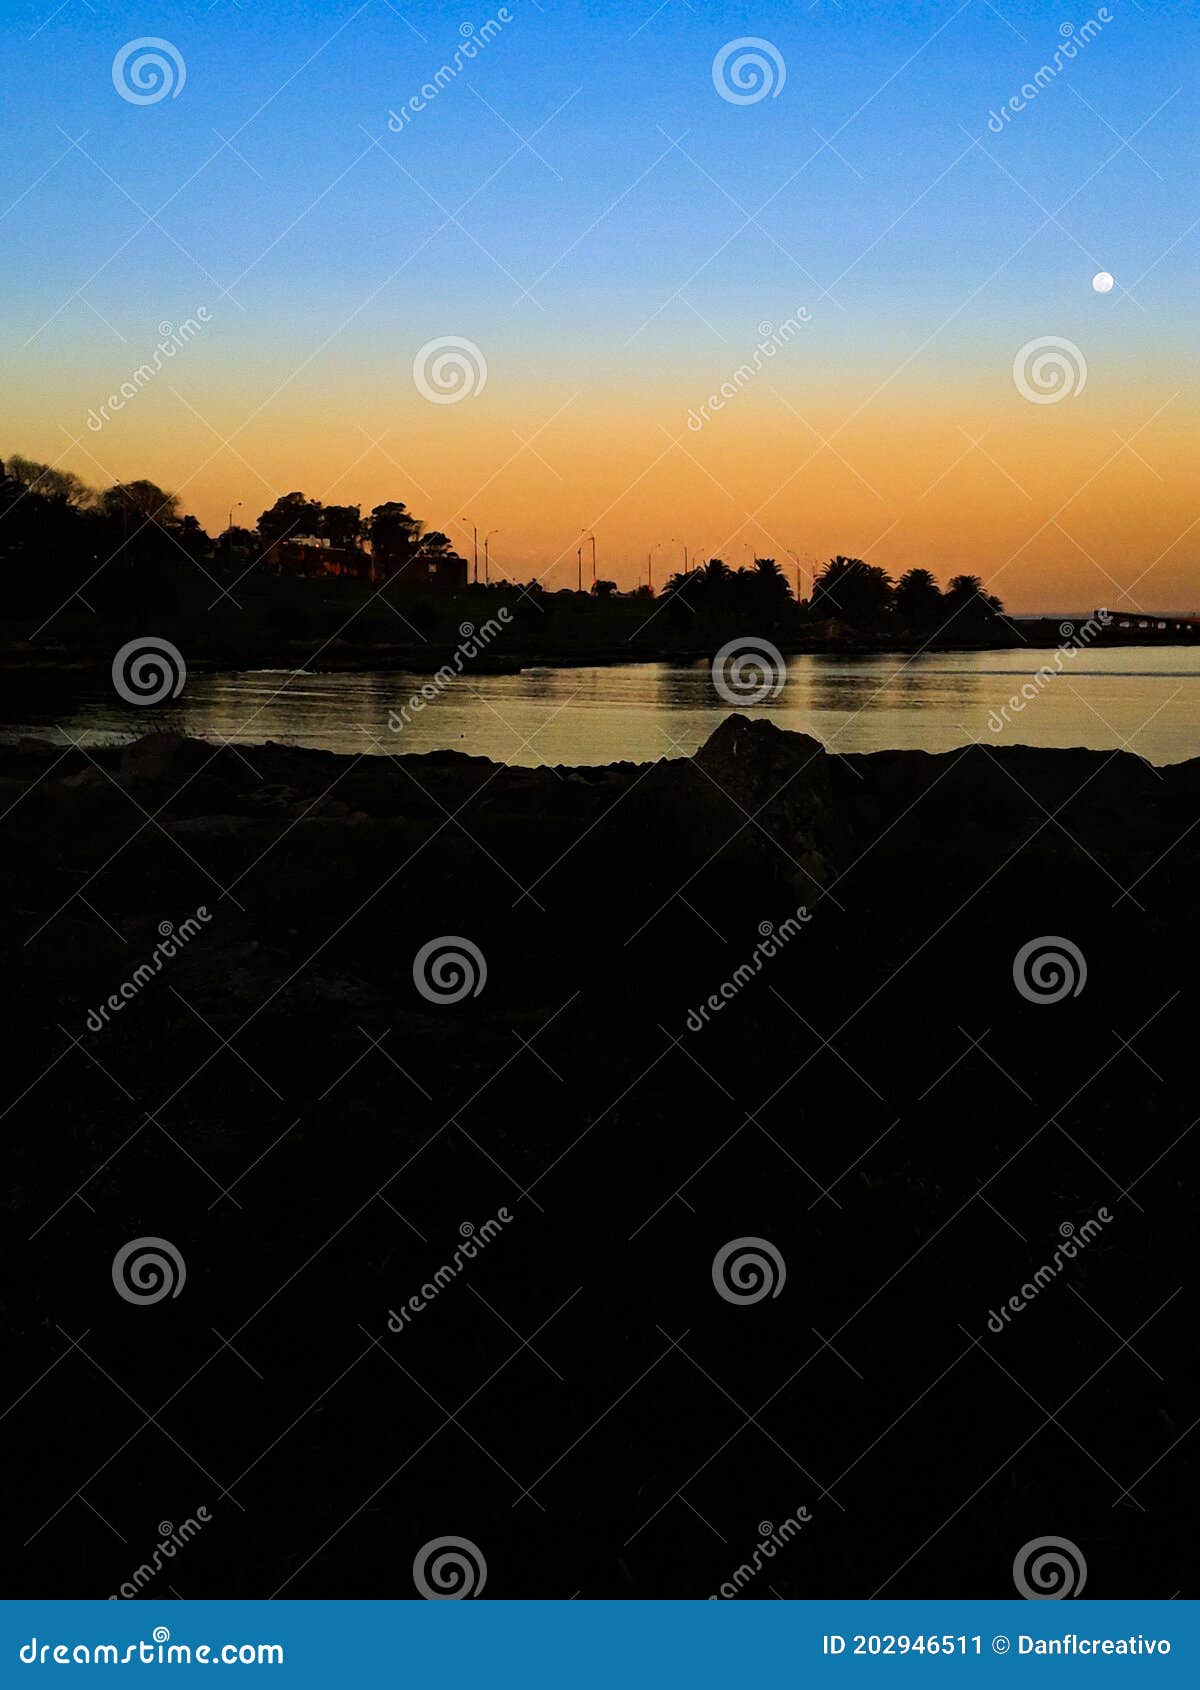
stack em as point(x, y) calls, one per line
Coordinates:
point(586, 534)
point(467, 523)
point(486, 538)
point(236, 505)
point(650, 564)
point(795, 557)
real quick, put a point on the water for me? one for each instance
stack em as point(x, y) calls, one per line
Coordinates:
point(1146, 699)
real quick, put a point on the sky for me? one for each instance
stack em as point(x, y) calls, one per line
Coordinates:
point(601, 238)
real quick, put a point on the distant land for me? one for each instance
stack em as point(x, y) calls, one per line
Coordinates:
point(323, 586)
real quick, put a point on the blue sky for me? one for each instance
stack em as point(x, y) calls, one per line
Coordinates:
point(625, 216)
point(631, 76)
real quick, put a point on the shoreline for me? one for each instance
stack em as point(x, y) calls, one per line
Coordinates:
point(351, 658)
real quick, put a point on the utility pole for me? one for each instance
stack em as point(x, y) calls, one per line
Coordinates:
point(466, 521)
point(586, 534)
point(229, 528)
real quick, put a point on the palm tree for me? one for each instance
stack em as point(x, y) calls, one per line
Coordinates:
point(853, 591)
point(968, 602)
point(918, 600)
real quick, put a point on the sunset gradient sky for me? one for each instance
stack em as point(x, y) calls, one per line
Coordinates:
point(618, 267)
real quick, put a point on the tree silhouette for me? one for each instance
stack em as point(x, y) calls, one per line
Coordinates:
point(918, 601)
point(394, 533)
point(767, 590)
point(849, 590)
point(434, 543)
point(48, 482)
point(292, 516)
point(141, 502)
point(131, 543)
point(342, 525)
point(968, 604)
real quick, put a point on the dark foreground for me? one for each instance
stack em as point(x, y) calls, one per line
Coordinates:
point(911, 1135)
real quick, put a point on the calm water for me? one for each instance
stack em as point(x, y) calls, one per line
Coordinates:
point(1148, 699)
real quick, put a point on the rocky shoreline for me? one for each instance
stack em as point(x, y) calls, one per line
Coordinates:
point(869, 1089)
point(341, 656)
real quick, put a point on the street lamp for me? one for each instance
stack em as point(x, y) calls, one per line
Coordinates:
point(235, 506)
point(486, 538)
point(795, 557)
point(467, 523)
point(586, 534)
point(650, 564)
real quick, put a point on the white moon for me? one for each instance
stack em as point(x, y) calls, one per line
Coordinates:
point(1103, 283)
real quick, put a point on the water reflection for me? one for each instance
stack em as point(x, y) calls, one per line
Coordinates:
point(1147, 699)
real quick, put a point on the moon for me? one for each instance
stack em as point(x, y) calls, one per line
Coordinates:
point(1103, 282)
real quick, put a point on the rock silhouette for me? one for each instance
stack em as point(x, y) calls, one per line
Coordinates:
point(878, 1100)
